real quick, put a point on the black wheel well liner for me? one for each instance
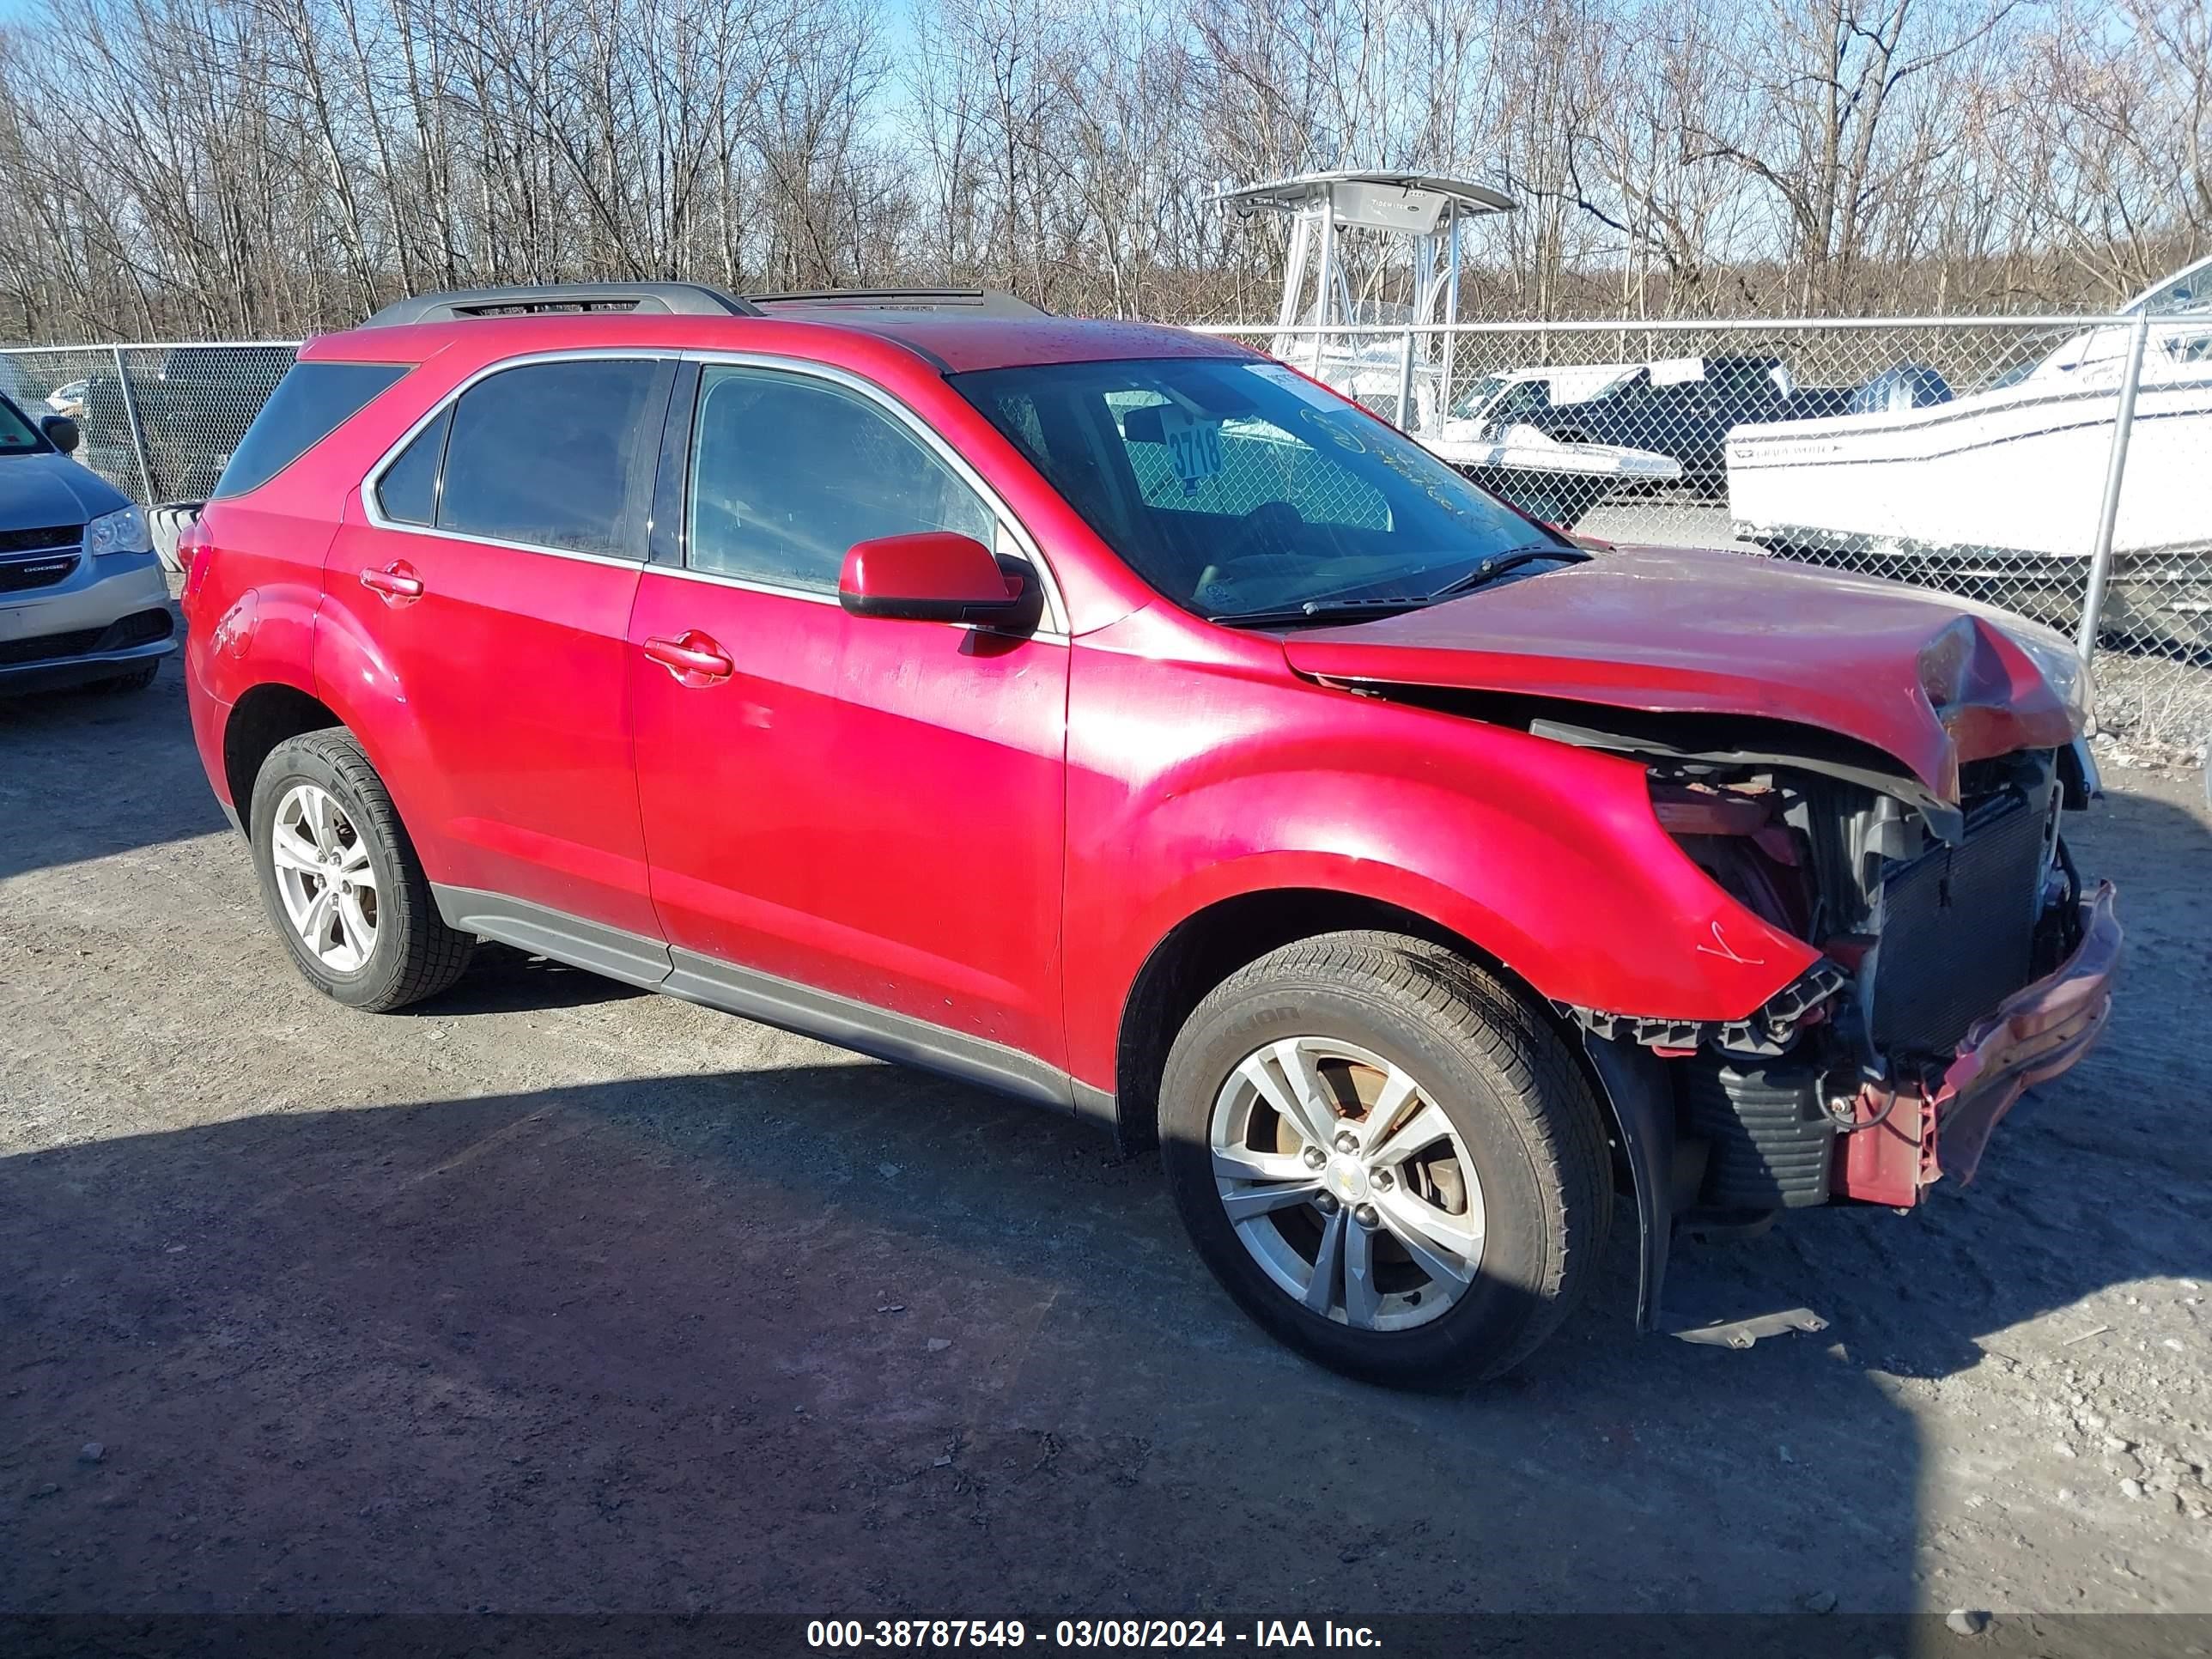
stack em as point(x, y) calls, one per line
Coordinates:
point(266, 715)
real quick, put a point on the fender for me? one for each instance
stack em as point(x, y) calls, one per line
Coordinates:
point(250, 598)
point(354, 678)
point(260, 636)
point(1547, 858)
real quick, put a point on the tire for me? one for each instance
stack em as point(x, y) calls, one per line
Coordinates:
point(137, 680)
point(1513, 1104)
point(409, 952)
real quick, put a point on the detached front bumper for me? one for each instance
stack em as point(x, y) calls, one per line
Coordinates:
point(1912, 1139)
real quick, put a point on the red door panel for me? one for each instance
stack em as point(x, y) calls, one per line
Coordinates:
point(870, 808)
point(507, 724)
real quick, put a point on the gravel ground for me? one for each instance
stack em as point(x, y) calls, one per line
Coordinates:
point(550, 1296)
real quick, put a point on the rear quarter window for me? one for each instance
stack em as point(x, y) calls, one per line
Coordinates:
point(310, 403)
point(408, 491)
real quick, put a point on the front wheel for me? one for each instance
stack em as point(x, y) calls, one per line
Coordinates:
point(1387, 1158)
point(341, 879)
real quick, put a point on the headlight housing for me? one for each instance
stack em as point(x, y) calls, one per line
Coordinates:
point(124, 530)
point(2064, 670)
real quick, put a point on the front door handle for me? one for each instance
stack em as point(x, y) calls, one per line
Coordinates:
point(396, 582)
point(692, 657)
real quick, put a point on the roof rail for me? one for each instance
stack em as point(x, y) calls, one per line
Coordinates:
point(673, 299)
point(983, 301)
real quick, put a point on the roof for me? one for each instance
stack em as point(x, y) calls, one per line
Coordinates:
point(1379, 198)
point(952, 341)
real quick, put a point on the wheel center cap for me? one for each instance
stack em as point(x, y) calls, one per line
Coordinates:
point(1347, 1178)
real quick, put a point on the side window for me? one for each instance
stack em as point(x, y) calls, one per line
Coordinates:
point(555, 454)
point(310, 403)
point(408, 491)
point(788, 472)
point(1250, 463)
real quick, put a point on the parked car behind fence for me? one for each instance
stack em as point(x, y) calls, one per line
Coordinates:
point(192, 403)
point(1683, 410)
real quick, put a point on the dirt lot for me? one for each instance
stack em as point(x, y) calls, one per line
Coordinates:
point(550, 1296)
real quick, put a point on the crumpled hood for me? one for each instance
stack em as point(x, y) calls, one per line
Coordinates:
point(47, 488)
point(1673, 630)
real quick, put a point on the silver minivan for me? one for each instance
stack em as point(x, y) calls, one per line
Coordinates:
point(82, 598)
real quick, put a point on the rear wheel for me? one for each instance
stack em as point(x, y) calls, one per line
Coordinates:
point(1387, 1157)
point(341, 880)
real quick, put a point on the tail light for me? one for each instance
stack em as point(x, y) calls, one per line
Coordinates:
point(193, 549)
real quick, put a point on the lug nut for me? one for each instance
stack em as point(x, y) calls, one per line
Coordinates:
point(1366, 1216)
point(1325, 1202)
point(1347, 1142)
point(1315, 1158)
point(1383, 1180)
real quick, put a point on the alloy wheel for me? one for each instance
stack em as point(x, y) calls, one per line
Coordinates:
point(325, 879)
point(1347, 1183)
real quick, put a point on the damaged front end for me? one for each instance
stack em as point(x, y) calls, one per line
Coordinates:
point(1878, 774)
point(1961, 962)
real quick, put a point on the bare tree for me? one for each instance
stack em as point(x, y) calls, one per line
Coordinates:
point(271, 167)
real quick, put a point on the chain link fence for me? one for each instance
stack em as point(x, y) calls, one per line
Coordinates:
point(2051, 465)
point(157, 422)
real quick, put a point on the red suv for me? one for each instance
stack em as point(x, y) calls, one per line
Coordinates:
point(1116, 718)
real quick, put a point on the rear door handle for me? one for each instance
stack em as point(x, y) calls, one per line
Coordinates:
point(396, 582)
point(692, 657)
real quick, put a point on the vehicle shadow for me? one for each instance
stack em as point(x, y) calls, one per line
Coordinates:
point(837, 1337)
point(842, 1338)
point(824, 1339)
point(503, 980)
point(69, 758)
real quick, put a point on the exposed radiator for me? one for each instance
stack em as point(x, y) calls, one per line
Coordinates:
point(1958, 930)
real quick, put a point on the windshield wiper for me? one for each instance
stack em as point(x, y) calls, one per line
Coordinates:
point(1321, 610)
point(1498, 564)
point(1327, 610)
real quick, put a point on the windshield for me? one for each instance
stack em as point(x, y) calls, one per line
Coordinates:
point(2187, 293)
point(17, 436)
point(1237, 488)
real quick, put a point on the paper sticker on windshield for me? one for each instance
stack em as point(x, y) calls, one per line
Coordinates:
point(1292, 381)
point(1193, 445)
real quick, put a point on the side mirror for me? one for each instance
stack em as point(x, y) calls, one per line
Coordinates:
point(61, 432)
point(935, 575)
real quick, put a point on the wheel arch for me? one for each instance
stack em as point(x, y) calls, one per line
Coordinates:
point(1214, 942)
point(265, 715)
